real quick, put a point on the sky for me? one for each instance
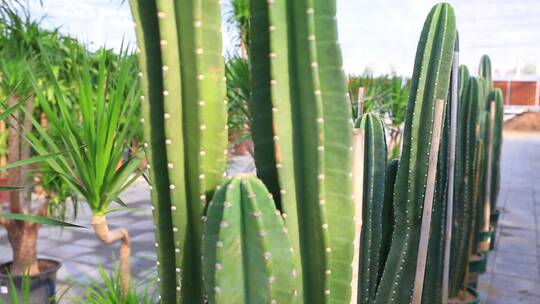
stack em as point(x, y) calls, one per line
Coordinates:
point(376, 35)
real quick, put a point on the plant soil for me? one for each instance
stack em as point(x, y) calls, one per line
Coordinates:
point(464, 297)
point(524, 122)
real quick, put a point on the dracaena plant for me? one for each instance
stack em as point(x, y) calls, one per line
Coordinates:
point(91, 143)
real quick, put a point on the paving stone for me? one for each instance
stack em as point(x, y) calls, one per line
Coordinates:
point(518, 265)
point(518, 241)
point(66, 251)
point(144, 237)
point(509, 289)
point(146, 225)
point(91, 258)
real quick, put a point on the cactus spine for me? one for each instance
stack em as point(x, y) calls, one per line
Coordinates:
point(301, 131)
point(247, 256)
point(466, 163)
point(374, 190)
point(431, 79)
point(187, 160)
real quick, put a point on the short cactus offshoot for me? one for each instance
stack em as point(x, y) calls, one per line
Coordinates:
point(247, 255)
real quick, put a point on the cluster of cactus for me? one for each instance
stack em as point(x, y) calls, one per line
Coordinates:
point(394, 194)
point(288, 236)
point(228, 246)
point(479, 138)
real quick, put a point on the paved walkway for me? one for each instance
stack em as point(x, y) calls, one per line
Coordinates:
point(513, 275)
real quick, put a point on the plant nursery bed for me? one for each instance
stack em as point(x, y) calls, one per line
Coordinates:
point(525, 122)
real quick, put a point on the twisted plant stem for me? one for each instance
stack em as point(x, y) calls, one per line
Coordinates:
point(99, 222)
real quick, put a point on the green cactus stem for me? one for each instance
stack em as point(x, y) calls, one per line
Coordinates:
point(388, 221)
point(430, 82)
point(185, 125)
point(302, 134)
point(484, 71)
point(465, 178)
point(247, 255)
point(497, 142)
point(464, 75)
point(373, 204)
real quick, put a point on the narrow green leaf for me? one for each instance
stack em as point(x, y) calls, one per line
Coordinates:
point(38, 219)
point(28, 161)
point(9, 188)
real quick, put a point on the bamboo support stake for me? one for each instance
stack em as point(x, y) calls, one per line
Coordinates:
point(360, 100)
point(428, 202)
point(486, 223)
point(358, 191)
point(101, 230)
point(451, 172)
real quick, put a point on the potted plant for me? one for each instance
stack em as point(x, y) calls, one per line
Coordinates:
point(93, 141)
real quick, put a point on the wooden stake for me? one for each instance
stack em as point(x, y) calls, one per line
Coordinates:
point(358, 191)
point(487, 205)
point(451, 172)
point(360, 102)
point(428, 202)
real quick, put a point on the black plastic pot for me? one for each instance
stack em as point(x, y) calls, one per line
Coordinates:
point(494, 224)
point(478, 263)
point(42, 285)
point(494, 218)
point(493, 238)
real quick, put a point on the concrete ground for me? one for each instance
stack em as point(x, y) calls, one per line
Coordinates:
point(513, 275)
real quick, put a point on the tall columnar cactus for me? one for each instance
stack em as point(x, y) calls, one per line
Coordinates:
point(246, 250)
point(373, 205)
point(464, 75)
point(497, 97)
point(430, 82)
point(465, 178)
point(185, 124)
point(302, 134)
point(484, 71)
point(388, 221)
